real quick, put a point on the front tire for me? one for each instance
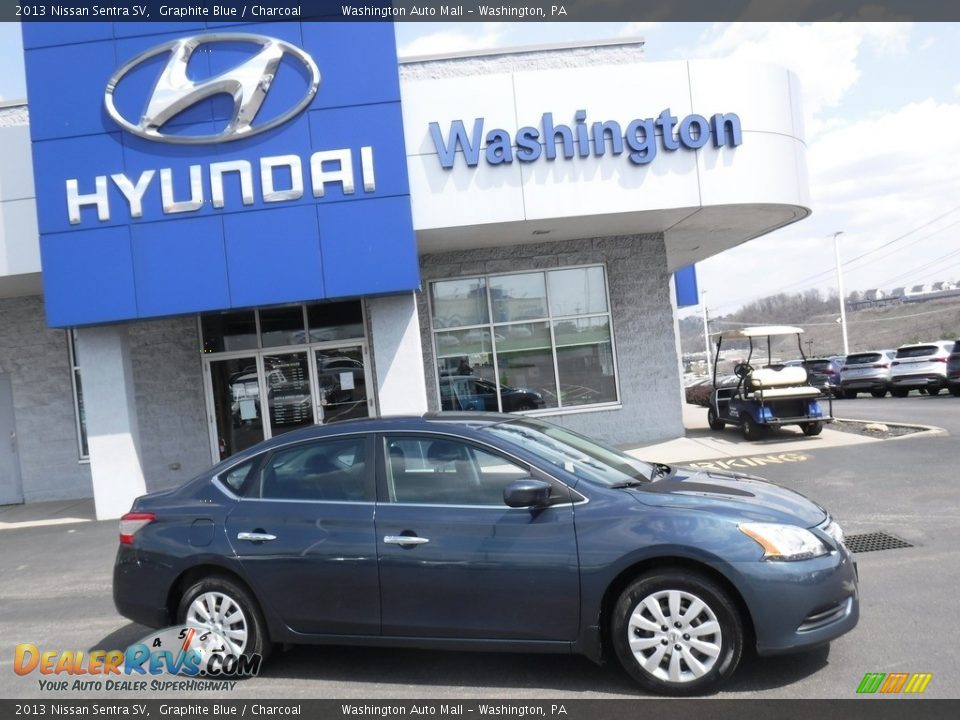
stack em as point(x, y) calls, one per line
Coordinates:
point(933, 391)
point(223, 605)
point(677, 633)
point(713, 421)
point(754, 431)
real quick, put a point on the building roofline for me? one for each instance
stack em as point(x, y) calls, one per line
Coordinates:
point(521, 49)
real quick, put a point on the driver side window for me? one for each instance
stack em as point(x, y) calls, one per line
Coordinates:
point(445, 471)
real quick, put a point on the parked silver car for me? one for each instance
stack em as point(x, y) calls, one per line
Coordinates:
point(920, 367)
point(867, 371)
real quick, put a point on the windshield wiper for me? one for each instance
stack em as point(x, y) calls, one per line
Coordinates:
point(626, 484)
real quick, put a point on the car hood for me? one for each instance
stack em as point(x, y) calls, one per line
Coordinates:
point(749, 497)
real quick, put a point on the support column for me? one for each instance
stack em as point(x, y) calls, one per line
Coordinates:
point(398, 355)
point(110, 411)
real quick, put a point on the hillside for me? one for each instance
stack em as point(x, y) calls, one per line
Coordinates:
point(868, 329)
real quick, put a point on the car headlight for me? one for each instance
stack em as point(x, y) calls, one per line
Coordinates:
point(784, 542)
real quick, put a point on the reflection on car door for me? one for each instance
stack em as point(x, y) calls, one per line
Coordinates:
point(305, 536)
point(455, 561)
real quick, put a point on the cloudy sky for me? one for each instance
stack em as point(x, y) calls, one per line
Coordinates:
point(883, 130)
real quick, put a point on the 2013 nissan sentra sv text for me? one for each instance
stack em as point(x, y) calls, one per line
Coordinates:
point(478, 531)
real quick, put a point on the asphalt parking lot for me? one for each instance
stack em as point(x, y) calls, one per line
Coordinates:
point(56, 593)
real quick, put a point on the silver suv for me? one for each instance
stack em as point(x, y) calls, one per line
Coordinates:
point(920, 367)
point(867, 371)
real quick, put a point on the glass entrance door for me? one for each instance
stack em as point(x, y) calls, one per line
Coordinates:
point(290, 401)
point(342, 379)
point(269, 392)
point(237, 417)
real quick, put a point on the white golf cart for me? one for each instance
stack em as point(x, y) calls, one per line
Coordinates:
point(768, 396)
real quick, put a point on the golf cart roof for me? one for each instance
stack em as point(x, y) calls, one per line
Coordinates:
point(762, 330)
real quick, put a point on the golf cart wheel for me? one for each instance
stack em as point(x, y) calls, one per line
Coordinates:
point(878, 393)
point(753, 430)
point(812, 428)
point(713, 421)
point(933, 391)
point(899, 392)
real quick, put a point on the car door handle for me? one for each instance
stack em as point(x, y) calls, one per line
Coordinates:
point(405, 540)
point(255, 536)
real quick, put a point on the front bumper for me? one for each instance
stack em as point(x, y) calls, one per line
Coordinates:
point(798, 605)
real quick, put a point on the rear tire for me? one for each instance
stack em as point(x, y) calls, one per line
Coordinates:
point(933, 391)
point(812, 428)
point(713, 421)
point(218, 597)
point(899, 392)
point(677, 632)
point(955, 390)
point(878, 393)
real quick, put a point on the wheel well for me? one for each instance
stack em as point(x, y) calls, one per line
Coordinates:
point(627, 576)
point(189, 577)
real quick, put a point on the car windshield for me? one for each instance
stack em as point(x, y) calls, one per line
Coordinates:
point(581, 456)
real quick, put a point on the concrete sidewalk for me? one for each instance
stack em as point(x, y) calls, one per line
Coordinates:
point(700, 443)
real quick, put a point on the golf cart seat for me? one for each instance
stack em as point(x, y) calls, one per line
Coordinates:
point(785, 382)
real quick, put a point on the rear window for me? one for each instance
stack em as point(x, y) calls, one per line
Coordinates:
point(863, 358)
point(917, 351)
point(817, 364)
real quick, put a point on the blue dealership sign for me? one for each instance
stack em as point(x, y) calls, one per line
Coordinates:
point(217, 166)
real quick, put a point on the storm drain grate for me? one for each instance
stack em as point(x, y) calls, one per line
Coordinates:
point(871, 542)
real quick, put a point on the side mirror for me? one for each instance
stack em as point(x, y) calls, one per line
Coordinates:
point(526, 493)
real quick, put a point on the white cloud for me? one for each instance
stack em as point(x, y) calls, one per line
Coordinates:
point(638, 29)
point(480, 36)
point(824, 55)
point(875, 179)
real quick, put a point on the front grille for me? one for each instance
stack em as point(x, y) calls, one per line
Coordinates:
point(874, 541)
point(824, 616)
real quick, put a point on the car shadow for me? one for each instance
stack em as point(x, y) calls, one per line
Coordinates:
point(121, 638)
point(564, 673)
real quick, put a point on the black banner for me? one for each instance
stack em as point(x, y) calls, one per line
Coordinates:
point(506, 11)
point(892, 708)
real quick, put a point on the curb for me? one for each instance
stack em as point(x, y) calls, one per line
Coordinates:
point(923, 430)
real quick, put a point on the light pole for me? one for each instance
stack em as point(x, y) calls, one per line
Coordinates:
point(706, 331)
point(843, 309)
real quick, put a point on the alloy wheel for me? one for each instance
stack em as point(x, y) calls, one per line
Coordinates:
point(222, 614)
point(675, 636)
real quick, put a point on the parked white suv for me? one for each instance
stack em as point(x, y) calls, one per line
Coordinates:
point(867, 371)
point(920, 367)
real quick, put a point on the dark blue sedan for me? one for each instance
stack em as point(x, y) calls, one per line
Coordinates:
point(478, 531)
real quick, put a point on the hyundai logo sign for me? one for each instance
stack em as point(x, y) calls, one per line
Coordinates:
point(247, 83)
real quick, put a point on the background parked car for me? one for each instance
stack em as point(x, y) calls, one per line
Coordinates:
point(953, 370)
point(867, 371)
point(466, 392)
point(824, 374)
point(920, 367)
point(698, 393)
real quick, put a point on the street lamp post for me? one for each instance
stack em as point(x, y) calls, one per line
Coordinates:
point(843, 309)
point(706, 331)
